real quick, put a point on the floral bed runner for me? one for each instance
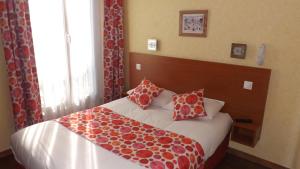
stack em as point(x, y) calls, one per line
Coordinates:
point(141, 143)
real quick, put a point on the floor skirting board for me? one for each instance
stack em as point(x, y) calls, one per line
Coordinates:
point(254, 159)
point(5, 153)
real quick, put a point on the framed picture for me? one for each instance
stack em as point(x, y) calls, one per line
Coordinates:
point(238, 50)
point(193, 23)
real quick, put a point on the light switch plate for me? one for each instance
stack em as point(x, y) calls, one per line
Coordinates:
point(152, 44)
point(138, 67)
point(248, 85)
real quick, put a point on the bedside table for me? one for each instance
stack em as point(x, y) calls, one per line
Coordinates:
point(246, 133)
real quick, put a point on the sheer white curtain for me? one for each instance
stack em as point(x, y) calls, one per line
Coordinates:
point(66, 36)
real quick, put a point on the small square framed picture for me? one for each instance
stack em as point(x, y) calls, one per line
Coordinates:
point(238, 50)
point(193, 23)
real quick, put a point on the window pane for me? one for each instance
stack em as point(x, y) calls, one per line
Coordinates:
point(48, 29)
point(79, 19)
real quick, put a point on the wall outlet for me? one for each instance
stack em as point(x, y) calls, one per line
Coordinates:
point(138, 67)
point(248, 85)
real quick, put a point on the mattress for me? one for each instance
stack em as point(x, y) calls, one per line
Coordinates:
point(49, 145)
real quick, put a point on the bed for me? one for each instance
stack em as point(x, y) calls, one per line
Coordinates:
point(51, 145)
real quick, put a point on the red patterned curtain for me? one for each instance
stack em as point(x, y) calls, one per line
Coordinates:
point(113, 50)
point(19, 55)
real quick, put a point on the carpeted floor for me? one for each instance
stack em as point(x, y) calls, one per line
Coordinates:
point(233, 162)
point(8, 162)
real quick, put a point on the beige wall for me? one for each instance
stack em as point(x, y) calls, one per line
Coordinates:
point(275, 23)
point(6, 122)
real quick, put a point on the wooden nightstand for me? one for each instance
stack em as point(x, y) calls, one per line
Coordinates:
point(246, 133)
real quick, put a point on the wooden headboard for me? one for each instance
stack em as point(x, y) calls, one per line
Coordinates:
point(220, 81)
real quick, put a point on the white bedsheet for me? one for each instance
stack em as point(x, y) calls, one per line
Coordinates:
point(49, 145)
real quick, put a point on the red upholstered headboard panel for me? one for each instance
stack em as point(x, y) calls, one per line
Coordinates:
point(220, 81)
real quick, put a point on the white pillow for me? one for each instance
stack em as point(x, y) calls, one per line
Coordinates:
point(162, 99)
point(129, 91)
point(211, 106)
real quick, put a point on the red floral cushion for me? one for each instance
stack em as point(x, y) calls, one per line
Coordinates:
point(144, 93)
point(189, 105)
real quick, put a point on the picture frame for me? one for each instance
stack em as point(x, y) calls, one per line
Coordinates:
point(238, 50)
point(193, 23)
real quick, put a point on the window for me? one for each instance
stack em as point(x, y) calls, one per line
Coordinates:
point(66, 42)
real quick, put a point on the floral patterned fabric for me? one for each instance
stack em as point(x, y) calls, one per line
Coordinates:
point(144, 93)
point(19, 55)
point(141, 143)
point(113, 50)
point(189, 105)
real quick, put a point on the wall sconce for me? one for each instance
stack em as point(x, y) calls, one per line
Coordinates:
point(261, 54)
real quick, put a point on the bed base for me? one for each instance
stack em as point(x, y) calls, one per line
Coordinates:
point(211, 163)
